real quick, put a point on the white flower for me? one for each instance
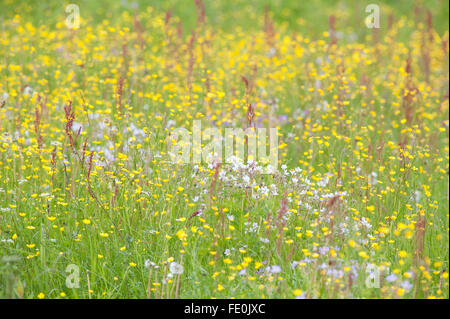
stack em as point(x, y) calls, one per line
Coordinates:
point(176, 268)
point(417, 196)
point(264, 190)
point(28, 91)
point(76, 126)
point(273, 189)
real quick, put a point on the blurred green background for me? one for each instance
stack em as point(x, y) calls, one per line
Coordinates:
point(310, 17)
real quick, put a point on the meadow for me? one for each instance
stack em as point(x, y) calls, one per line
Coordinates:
point(92, 206)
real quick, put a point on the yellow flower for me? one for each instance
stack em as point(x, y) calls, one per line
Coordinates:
point(86, 221)
point(181, 234)
point(297, 292)
point(409, 234)
point(41, 295)
point(227, 260)
point(402, 254)
point(132, 264)
point(363, 254)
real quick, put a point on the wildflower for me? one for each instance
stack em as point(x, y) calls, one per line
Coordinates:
point(391, 278)
point(181, 234)
point(363, 254)
point(274, 269)
point(176, 268)
point(406, 285)
point(297, 292)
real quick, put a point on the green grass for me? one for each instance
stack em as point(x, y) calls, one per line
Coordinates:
point(345, 122)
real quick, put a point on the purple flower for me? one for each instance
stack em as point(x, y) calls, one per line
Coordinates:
point(391, 278)
point(275, 269)
point(406, 285)
point(283, 118)
point(260, 271)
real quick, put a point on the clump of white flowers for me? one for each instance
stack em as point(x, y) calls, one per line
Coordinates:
point(176, 268)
